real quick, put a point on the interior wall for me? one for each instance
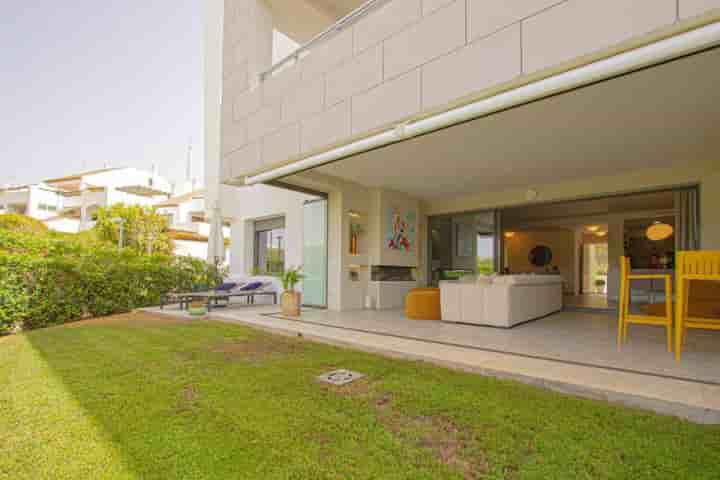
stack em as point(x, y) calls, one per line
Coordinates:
point(349, 275)
point(710, 211)
point(383, 202)
point(562, 244)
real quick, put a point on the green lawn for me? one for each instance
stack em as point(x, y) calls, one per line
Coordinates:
point(137, 397)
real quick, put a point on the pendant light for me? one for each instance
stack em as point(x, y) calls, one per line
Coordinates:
point(659, 231)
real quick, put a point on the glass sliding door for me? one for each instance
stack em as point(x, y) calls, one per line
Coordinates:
point(269, 246)
point(485, 253)
point(462, 244)
point(314, 285)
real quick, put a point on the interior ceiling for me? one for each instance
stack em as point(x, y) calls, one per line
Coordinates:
point(659, 117)
point(301, 20)
point(643, 223)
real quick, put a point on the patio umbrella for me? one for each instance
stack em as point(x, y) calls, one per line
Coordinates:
point(216, 240)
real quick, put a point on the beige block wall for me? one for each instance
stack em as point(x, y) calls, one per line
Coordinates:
point(396, 98)
point(692, 8)
point(420, 43)
point(486, 17)
point(392, 17)
point(330, 126)
point(409, 57)
point(281, 144)
point(486, 62)
point(581, 27)
point(357, 75)
point(307, 100)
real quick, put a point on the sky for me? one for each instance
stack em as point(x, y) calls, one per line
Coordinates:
point(89, 83)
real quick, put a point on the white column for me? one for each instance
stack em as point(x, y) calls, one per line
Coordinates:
point(616, 249)
point(709, 212)
point(214, 12)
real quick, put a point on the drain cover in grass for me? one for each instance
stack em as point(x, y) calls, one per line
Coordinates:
point(340, 377)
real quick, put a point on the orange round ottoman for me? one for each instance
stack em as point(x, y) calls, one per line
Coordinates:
point(423, 304)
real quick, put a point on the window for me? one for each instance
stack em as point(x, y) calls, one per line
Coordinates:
point(485, 253)
point(270, 246)
point(47, 207)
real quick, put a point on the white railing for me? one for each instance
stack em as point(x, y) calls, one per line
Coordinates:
point(304, 49)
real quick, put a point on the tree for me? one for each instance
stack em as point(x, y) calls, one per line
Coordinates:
point(143, 229)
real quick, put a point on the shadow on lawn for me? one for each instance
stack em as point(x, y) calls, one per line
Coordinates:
point(138, 379)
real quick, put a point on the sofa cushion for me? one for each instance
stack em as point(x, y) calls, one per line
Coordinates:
point(528, 279)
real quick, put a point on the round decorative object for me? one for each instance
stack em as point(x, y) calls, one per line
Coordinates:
point(540, 256)
point(659, 231)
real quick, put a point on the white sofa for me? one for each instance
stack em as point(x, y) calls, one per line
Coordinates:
point(501, 301)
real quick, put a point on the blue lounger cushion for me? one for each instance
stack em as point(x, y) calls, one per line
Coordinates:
point(251, 286)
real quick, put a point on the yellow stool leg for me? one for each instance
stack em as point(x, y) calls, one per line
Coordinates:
point(627, 311)
point(679, 318)
point(621, 313)
point(668, 312)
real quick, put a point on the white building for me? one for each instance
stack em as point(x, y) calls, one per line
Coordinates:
point(68, 203)
point(37, 201)
point(189, 223)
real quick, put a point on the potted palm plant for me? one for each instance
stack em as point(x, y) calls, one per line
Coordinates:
point(290, 300)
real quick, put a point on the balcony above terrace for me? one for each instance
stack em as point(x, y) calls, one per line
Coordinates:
point(396, 61)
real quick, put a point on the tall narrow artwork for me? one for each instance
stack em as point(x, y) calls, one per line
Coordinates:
point(400, 229)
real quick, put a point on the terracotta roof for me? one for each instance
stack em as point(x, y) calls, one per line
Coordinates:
point(13, 188)
point(142, 190)
point(180, 199)
point(79, 176)
point(182, 235)
point(74, 189)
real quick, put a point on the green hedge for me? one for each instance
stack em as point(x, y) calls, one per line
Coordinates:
point(50, 281)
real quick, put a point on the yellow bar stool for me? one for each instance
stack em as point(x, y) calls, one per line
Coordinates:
point(695, 267)
point(625, 318)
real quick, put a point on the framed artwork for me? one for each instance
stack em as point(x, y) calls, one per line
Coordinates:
point(400, 229)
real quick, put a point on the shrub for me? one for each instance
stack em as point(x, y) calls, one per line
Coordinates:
point(22, 223)
point(46, 280)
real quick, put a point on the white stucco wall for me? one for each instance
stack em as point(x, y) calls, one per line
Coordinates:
point(191, 248)
point(248, 204)
point(61, 224)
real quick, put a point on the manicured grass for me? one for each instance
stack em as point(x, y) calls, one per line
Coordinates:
point(139, 397)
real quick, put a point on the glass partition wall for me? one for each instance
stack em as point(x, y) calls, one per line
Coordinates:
point(315, 253)
point(463, 244)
